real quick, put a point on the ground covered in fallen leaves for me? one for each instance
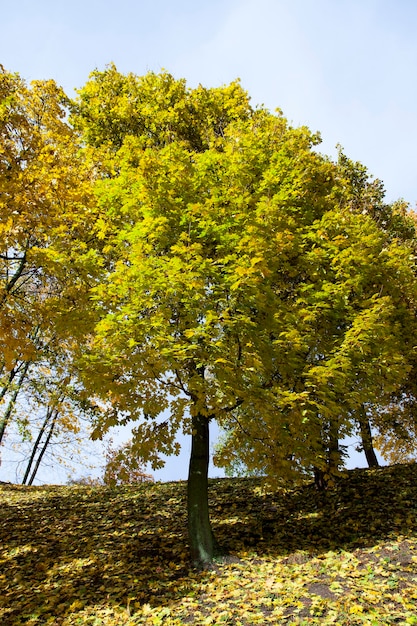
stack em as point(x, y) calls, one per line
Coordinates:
point(119, 557)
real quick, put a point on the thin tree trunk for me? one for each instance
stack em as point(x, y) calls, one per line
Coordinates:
point(367, 441)
point(319, 480)
point(4, 420)
point(334, 458)
point(36, 445)
point(44, 447)
point(331, 451)
point(203, 545)
point(18, 273)
point(8, 382)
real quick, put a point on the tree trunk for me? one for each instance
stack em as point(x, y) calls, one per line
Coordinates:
point(18, 273)
point(4, 420)
point(44, 447)
point(332, 454)
point(37, 444)
point(319, 480)
point(8, 382)
point(367, 443)
point(203, 545)
point(334, 460)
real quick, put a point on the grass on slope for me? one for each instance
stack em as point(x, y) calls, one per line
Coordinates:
point(100, 557)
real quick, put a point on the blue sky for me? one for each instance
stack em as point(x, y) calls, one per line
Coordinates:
point(346, 68)
point(343, 67)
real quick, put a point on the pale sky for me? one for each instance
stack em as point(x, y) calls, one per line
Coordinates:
point(346, 68)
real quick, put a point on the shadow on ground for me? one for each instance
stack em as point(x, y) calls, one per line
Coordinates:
point(366, 507)
point(65, 548)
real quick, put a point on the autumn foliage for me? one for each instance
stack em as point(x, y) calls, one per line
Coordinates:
point(123, 467)
point(120, 557)
point(182, 257)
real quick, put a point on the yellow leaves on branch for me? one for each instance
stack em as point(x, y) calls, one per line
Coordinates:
point(199, 247)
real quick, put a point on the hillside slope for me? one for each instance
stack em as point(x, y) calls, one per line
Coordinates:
point(101, 557)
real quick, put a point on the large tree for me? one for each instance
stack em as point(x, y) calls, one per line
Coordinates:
point(238, 281)
point(222, 270)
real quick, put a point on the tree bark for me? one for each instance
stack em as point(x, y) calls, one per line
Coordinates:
point(333, 453)
point(8, 382)
point(203, 545)
point(36, 445)
point(319, 480)
point(18, 273)
point(44, 447)
point(367, 442)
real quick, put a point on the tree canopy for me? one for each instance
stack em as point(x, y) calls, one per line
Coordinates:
point(46, 219)
point(228, 271)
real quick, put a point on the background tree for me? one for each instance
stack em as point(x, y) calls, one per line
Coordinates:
point(123, 467)
point(48, 416)
point(358, 299)
point(46, 220)
point(356, 346)
point(389, 423)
